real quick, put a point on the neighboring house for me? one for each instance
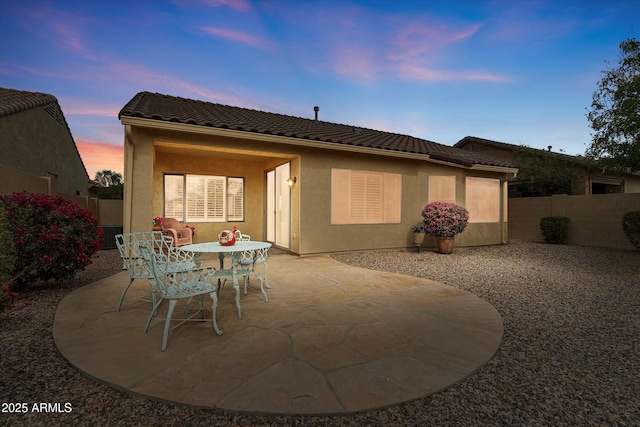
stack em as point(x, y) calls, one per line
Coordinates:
point(582, 179)
point(306, 185)
point(35, 141)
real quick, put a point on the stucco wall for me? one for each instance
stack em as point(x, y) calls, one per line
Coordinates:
point(157, 152)
point(36, 143)
point(319, 235)
point(595, 219)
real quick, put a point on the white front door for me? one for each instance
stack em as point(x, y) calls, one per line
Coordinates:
point(279, 206)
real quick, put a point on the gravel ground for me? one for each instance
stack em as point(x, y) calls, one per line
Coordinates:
point(570, 353)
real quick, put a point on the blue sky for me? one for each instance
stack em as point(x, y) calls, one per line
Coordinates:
point(521, 72)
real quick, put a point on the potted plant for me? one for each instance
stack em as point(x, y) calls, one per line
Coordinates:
point(444, 220)
point(157, 223)
point(418, 233)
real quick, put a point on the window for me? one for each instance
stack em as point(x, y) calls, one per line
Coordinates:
point(364, 197)
point(174, 196)
point(204, 198)
point(235, 199)
point(483, 199)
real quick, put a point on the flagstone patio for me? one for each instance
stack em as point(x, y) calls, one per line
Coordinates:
point(333, 339)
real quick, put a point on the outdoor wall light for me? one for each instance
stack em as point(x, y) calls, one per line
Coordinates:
point(291, 181)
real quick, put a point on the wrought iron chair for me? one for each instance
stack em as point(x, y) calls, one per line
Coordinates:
point(129, 248)
point(174, 283)
point(249, 261)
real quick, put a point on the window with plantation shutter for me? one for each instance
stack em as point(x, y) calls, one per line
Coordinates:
point(204, 198)
point(365, 197)
point(235, 199)
point(174, 196)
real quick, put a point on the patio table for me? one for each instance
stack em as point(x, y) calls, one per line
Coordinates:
point(235, 252)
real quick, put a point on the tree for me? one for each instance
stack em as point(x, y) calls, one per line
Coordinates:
point(615, 114)
point(542, 174)
point(108, 178)
point(112, 186)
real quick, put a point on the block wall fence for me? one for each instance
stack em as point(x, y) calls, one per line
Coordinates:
point(596, 220)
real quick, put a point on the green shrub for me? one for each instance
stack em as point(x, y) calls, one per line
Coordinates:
point(554, 228)
point(53, 237)
point(6, 247)
point(631, 227)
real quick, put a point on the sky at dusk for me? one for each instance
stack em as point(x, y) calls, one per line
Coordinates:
point(521, 72)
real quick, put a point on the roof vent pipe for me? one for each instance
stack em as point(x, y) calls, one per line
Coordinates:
point(316, 109)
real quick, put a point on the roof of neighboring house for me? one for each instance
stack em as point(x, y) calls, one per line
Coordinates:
point(578, 160)
point(14, 101)
point(512, 147)
point(155, 106)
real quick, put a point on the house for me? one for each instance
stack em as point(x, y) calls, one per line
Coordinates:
point(38, 150)
point(307, 185)
point(570, 174)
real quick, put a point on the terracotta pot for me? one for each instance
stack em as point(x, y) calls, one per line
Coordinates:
point(418, 238)
point(157, 228)
point(445, 245)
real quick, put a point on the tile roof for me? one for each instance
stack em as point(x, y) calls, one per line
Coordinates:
point(14, 101)
point(155, 106)
point(512, 147)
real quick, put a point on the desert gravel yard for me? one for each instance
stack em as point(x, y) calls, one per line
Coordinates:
point(570, 354)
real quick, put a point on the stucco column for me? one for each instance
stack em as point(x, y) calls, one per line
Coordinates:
point(128, 179)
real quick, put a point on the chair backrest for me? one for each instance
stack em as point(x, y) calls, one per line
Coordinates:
point(171, 223)
point(171, 278)
point(241, 237)
point(129, 248)
point(261, 255)
point(254, 255)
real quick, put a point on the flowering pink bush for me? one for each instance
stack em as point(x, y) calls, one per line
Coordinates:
point(6, 247)
point(53, 237)
point(444, 219)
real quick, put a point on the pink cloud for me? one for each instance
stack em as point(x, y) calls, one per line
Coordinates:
point(356, 61)
point(65, 28)
point(83, 108)
point(417, 39)
point(415, 72)
point(99, 156)
point(417, 47)
point(238, 5)
point(240, 37)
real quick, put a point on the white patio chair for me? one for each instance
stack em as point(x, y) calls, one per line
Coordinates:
point(174, 283)
point(128, 246)
point(258, 257)
point(248, 261)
